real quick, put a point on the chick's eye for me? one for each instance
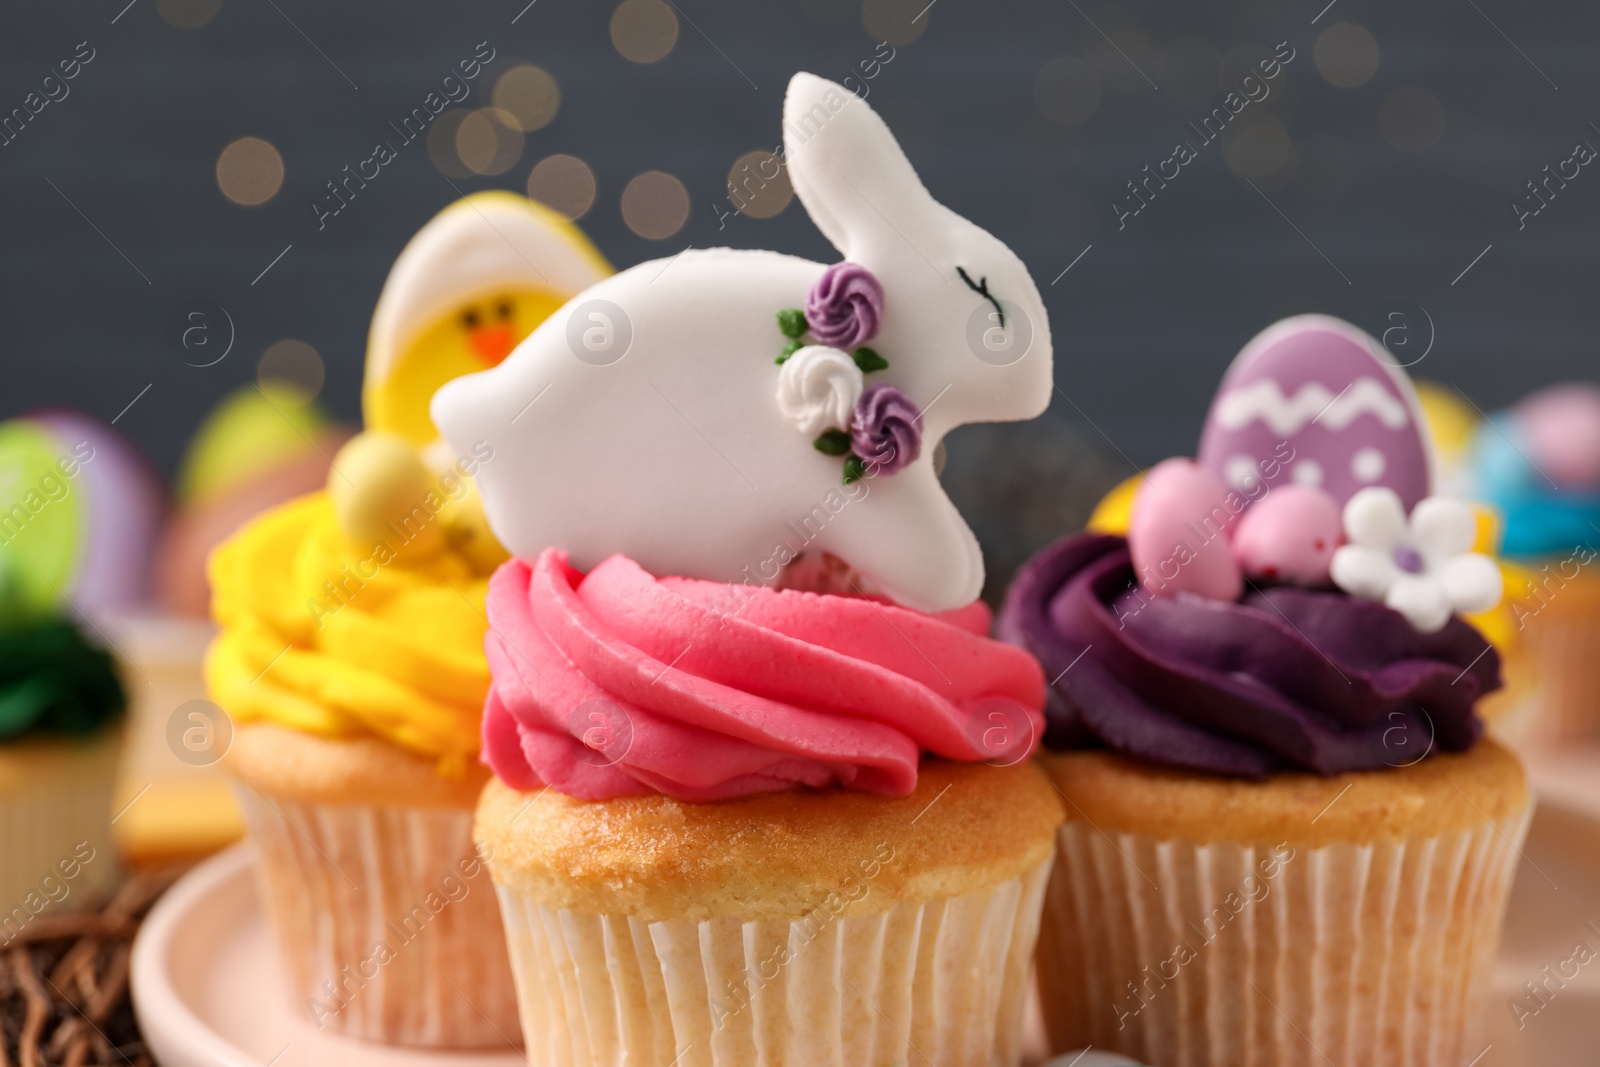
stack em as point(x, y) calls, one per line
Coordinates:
point(504, 309)
point(469, 319)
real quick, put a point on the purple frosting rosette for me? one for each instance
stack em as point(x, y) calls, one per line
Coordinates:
point(885, 430)
point(1284, 679)
point(845, 307)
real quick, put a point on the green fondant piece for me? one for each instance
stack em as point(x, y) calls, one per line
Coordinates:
point(833, 443)
point(869, 360)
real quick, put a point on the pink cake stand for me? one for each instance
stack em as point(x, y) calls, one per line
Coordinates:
point(209, 991)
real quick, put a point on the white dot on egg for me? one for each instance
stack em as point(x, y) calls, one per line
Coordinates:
point(1307, 472)
point(1241, 472)
point(1368, 465)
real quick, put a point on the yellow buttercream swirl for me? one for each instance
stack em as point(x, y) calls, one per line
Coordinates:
point(330, 638)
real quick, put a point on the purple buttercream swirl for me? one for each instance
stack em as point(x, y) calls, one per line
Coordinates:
point(885, 430)
point(1284, 679)
point(845, 306)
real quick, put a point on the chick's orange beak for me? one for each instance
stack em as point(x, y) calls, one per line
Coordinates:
point(492, 343)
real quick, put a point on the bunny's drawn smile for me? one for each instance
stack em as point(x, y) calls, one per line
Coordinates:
point(981, 287)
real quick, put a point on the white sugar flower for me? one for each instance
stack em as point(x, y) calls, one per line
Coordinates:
point(818, 388)
point(1425, 570)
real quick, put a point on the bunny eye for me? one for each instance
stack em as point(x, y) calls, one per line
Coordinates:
point(981, 287)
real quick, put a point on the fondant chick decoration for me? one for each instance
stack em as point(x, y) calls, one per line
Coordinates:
point(467, 288)
point(1312, 458)
point(647, 416)
point(464, 292)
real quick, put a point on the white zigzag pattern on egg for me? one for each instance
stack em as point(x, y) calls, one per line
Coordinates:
point(1264, 400)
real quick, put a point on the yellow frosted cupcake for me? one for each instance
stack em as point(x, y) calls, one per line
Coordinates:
point(353, 670)
point(351, 655)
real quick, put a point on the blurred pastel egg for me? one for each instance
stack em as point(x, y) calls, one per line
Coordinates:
point(259, 447)
point(1177, 535)
point(79, 511)
point(1289, 536)
point(1561, 429)
point(1312, 400)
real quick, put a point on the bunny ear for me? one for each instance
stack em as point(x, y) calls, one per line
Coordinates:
point(845, 165)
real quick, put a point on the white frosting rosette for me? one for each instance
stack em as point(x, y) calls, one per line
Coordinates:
point(818, 388)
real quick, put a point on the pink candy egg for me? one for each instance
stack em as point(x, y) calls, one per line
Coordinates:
point(1561, 428)
point(1289, 535)
point(1178, 533)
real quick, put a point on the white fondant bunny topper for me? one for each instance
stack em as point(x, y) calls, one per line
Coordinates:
point(643, 417)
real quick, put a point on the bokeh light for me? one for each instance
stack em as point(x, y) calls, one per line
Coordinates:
point(655, 205)
point(442, 150)
point(1412, 119)
point(1189, 70)
point(530, 95)
point(1115, 42)
point(294, 367)
point(566, 183)
point(758, 184)
point(1346, 55)
point(1066, 90)
point(187, 14)
point(898, 22)
point(1258, 148)
point(488, 141)
point(644, 31)
point(250, 171)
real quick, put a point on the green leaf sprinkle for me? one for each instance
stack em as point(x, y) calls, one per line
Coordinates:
point(869, 360)
point(833, 443)
point(792, 321)
point(854, 469)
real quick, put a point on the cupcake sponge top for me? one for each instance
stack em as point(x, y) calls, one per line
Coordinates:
point(967, 827)
point(284, 762)
point(1445, 793)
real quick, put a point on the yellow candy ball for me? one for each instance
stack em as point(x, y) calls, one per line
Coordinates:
point(380, 490)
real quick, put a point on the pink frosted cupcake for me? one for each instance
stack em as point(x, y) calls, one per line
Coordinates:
point(736, 822)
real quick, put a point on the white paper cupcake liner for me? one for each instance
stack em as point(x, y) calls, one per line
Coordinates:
point(1190, 955)
point(56, 851)
point(941, 983)
point(388, 927)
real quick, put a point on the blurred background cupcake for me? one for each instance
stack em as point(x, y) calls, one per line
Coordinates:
point(1281, 805)
point(78, 515)
point(1538, 463)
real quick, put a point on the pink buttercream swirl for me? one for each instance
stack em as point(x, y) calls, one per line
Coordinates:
point(617, 683)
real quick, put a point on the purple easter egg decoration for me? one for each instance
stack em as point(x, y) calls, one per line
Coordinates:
point(1311, 400)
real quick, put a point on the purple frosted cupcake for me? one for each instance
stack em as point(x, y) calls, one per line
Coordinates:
point(1286, 834)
